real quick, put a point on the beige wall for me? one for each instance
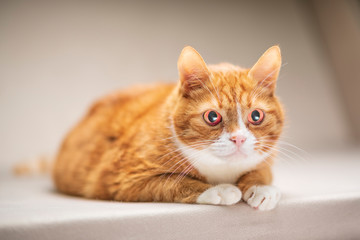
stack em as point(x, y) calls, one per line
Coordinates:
point(57, 57)
point(339, 23)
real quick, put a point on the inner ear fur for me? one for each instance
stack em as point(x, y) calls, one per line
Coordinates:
point(266, 70)
point(193, 71)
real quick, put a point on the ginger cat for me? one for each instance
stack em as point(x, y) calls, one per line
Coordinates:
point(208, 139)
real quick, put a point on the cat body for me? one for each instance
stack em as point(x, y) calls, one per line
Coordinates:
point(210, 138)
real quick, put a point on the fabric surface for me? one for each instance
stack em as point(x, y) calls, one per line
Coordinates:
point(321, 200)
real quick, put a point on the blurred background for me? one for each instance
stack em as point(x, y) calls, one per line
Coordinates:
point(57, 57)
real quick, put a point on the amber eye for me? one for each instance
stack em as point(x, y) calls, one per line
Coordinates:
point(256, 116)
point(212, 117)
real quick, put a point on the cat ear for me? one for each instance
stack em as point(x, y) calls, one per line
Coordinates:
point(267, 68)
point(193, 71)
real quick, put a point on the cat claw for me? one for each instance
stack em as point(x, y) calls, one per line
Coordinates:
point(262, 197)
point(222, 194)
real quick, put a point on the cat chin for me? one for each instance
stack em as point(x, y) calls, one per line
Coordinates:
point(241, 158)
point(235, 157)
point(246, 158)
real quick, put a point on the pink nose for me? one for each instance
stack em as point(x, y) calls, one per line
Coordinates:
point(238, 140)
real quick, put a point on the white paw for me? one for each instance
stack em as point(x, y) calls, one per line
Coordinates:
point(262, 197)
point(222, 194)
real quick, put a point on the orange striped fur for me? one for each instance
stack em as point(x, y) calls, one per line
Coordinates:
point(130, 145)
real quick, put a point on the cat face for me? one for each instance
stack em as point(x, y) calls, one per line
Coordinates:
point(225, 114)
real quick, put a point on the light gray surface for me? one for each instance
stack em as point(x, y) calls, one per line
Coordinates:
point(321, 200)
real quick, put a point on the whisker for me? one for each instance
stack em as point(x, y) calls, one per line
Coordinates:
point(202, 143)
point(291, 145)
point(179, 149)
point(184, 173)
point(282, 159)
point(172, 137)
point(284, 153)
point(294, 153)
point(183, 162)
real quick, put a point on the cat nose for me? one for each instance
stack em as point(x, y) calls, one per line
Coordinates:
point(238, 140)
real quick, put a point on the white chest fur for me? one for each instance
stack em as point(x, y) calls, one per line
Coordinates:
point(216, 170)
point(220, 173)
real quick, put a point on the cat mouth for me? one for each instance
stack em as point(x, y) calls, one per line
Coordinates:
point(237, 155)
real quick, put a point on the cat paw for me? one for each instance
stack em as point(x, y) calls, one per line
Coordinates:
point(222, 194)
point(262, 197)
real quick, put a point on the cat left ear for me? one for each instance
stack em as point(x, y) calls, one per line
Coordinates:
point(193, 71)
point(266, 71)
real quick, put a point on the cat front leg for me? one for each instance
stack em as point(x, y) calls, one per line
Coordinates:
point(159, 188)
point(258, 192)
point(171, 189)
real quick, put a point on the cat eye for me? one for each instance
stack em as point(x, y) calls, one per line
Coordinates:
point(256, 116)
point(212, 117)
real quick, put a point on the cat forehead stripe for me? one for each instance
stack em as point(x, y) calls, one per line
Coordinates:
point(240, 119)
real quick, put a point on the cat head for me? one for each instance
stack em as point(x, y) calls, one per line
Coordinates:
point(226, 114)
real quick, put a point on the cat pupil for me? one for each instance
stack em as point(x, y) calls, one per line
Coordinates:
point(212, 116)
point(255, 115)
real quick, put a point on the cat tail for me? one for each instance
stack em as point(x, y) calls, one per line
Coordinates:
point(42, 165)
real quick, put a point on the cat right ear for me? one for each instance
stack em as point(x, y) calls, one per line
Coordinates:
point(193, 71)
point(266, 71)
